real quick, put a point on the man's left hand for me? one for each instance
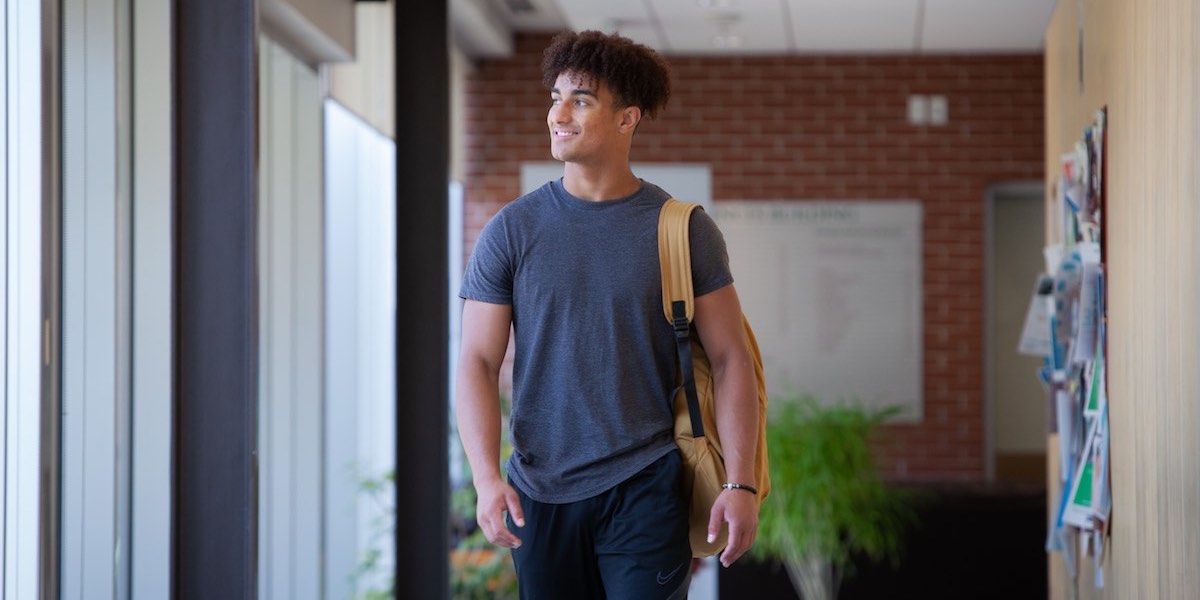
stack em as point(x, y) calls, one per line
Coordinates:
point(739, 509)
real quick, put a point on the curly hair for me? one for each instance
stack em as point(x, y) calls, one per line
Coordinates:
point(636, 74)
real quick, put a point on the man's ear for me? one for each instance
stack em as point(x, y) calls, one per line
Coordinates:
point(630, 117)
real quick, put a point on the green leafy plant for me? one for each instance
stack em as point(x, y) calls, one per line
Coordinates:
point(382, 529)
point(827, 502)
point(478, 569)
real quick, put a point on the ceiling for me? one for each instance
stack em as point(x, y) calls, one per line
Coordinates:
point(723, 27)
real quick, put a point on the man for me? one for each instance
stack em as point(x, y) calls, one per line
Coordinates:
point(594, 498)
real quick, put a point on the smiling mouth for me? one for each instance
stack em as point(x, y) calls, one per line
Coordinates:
point(564, 134)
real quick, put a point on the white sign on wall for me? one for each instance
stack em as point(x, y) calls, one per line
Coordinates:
point(833, 290)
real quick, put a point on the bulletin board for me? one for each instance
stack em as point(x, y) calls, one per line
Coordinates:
point(1067, 326)
point(833, 291)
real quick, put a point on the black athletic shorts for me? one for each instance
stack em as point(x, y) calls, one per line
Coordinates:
point(629, 543)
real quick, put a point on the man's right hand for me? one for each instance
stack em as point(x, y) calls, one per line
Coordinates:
point(495, 499)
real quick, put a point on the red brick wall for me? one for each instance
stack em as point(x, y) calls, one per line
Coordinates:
point(831, 127)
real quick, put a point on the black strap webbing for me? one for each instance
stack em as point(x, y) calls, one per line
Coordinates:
point(683, 345)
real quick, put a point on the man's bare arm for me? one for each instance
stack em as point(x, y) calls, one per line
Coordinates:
point(718, 320)
point(485, 334)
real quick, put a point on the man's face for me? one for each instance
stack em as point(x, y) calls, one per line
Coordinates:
point(585, 125)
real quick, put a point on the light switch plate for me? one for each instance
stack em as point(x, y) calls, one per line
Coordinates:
point(918, 110)
point(939, 110)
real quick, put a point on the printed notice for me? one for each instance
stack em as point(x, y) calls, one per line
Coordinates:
point(833, 290)
point(1035, 336)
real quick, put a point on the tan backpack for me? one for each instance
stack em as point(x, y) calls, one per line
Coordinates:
point(695, 411)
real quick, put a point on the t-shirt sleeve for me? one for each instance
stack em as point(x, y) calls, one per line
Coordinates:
point(710, 259)
point(489, 273)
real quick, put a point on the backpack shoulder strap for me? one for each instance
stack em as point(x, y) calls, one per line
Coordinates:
point(675, 257)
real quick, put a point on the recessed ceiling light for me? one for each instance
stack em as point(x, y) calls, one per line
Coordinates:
point(718, 4)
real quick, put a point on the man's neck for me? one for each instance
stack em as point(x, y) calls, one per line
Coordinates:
point(599, 185)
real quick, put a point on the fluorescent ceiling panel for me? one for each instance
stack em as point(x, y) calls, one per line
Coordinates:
point(855, 25)
point(728, 26)
point(642, 33)
point(608, 15)
point(822, 26)
point(985, 25)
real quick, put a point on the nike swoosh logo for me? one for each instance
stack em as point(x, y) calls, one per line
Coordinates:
point(665, 579)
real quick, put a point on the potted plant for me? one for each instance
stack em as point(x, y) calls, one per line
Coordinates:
point(827, 502)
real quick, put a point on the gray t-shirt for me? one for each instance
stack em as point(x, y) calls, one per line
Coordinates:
point(594, 359)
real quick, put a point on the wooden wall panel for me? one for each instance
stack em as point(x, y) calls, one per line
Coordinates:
point(1142, 60)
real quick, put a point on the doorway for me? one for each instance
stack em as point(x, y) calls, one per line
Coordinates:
point(1016, 402)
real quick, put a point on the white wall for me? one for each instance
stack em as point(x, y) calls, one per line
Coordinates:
point(116, 308)
point(687, 181)
point(95, 301)
point(150, 549)
point(291, 327)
